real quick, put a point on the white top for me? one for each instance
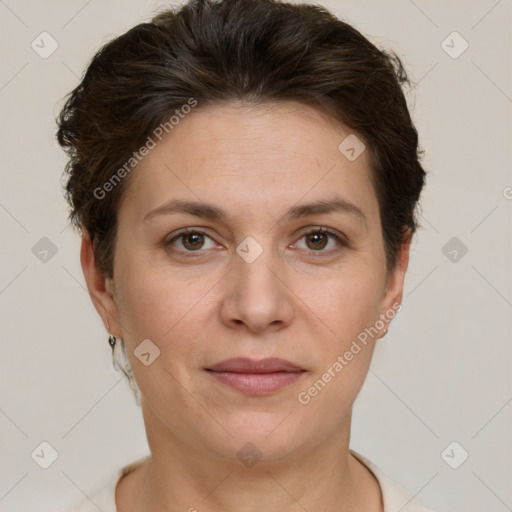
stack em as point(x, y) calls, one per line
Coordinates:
point(395, 497)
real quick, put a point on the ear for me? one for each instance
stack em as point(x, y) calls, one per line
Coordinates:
point(101, 288)
point(393, 293)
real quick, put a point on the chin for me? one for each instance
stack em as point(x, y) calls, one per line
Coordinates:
point(261, 437)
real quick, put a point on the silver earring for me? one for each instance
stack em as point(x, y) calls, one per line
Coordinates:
point(112, 341)
point(124, 364)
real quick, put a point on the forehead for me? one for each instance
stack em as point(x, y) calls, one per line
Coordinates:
point(259, 155)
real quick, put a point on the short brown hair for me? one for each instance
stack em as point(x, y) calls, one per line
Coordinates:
point(219, 51)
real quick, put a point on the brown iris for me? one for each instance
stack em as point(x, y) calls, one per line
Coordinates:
point(319, 240)
point(196, 240)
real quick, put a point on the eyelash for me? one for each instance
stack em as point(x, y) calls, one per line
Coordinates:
point(342, 242)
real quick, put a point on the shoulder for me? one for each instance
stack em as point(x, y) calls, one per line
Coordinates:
point(102, 497)
point(394, 496)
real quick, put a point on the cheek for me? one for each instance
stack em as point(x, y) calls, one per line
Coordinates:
point(166, 305)
point(151, 299)
point(344, 350)
point(345, 302)
point(169, 309)
point(154, 306)
point(171, 317)
point(347, 309)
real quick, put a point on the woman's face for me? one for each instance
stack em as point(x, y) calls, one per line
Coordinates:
point(254, 278)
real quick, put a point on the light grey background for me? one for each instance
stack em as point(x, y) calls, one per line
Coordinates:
point(442, 374)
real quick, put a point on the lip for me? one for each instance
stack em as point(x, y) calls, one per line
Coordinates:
point(256, 377)
point(247, 365)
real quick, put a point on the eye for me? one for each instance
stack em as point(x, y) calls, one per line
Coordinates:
point(317, 240)
point(191, 240)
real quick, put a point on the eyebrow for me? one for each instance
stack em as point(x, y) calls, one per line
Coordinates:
point(209, 211)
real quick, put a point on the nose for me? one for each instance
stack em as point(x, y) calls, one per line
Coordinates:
point(257, 296)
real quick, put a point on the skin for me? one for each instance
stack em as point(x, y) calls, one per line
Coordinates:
point(302, 299)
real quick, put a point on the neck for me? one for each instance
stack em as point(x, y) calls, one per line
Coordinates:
point(182, 477)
